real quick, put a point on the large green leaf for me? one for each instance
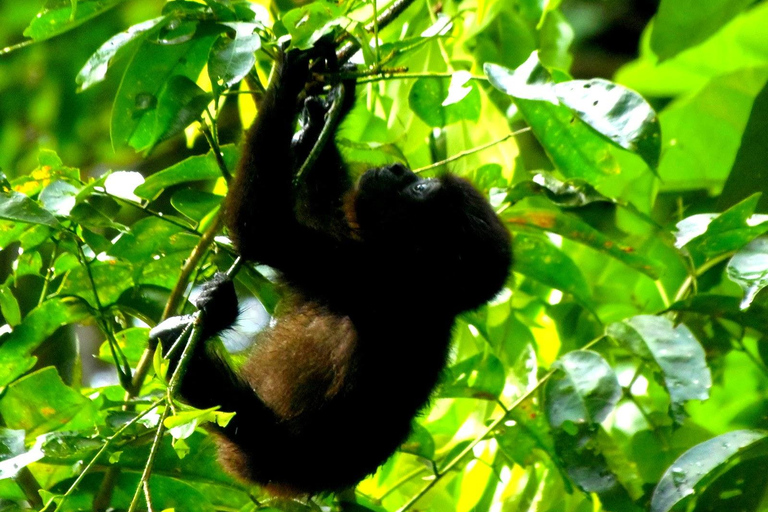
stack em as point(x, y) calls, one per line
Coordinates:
point(95, 69)
point(479, 376)
point(37, 326)
point(702, 464)
point(749, 269)
point(680, 24)
point(231, 58)
point(194, 168)
point(740, 45)
point(429, 99)
point(41, 402)
point(584, 391)
point(552, 110)
point(672, 351)
point(702, 133)
point(571, 227)
point(20, 208)
point(309, 23)
point(58, 16)
point(144, 93)
point(615, 112)
point(537, 258)
point(749, 174)
point(707, 236)
point(110, 278)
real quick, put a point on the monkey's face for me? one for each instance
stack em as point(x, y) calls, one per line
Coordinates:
point(444, 223)
point(392, 203)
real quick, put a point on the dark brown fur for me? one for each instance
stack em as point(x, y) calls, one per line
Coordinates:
point(330, 391)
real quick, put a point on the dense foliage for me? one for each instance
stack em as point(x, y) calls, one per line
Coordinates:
point(624, 367)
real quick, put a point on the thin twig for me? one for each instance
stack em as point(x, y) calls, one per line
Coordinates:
point(173, 384)
point(458, 458)
point(462, 154)
point(385, 18)
point(106, 445)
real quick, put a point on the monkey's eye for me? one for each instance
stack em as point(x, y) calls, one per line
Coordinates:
point(423, 188)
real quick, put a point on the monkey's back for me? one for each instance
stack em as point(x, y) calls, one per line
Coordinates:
point(341, 410)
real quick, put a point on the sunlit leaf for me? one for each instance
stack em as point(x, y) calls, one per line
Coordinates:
point(615, 112)
point(584, 391)
point(40, 323)
point(680, 24)
point(573, 228)
point(195, 204)
point(20, 208)
point(479, 376)
point(700, 465)
point(138, 102)
point(673, 352)
point(749, 268)
point(95, 69)
point(429, 99)
point(309, 23)
point(41, 402)
point(231, 59)
point(195, 168)
point(537, 258)
point(58, 16)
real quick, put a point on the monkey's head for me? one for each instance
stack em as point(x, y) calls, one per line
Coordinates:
point(442, 227)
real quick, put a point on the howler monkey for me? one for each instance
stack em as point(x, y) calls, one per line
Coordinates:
point(375, 278)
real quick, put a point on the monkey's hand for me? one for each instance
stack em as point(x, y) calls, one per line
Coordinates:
point(218, 302)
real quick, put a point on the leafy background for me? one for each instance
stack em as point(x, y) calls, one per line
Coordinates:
point(624, 143)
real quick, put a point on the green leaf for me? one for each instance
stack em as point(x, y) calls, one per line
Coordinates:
point(9, 306)
point(739, 45)
point(18, 207)
point(195, 204)
point(584, 391)
point(707, 236)
point(680, 24)
point(431, 100)
point(673, 352)
point(419, 442)
point(58, 16)
point(152, 238)
point(95, 69)
point(309, 23)
point(479, 376)
point(703, 131)
point(194, 168)
point(110, 278)
point(59, 198)
point(231, 59)
point(41, 402)
point(615, 112)
point(748, 174)
point(36, 327)
point(137, 106)
point(576, 149)
point(702, 464)
point(132, 342)
point(570, 227)
point(749, 269)
point(13, 456)
point(181, 102)
point(727, 307)
point(537, 258)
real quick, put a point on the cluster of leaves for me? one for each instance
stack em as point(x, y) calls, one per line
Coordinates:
point(634, 296)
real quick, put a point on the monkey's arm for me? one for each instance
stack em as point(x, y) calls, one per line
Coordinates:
point(260, 207)
point(209, 381)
